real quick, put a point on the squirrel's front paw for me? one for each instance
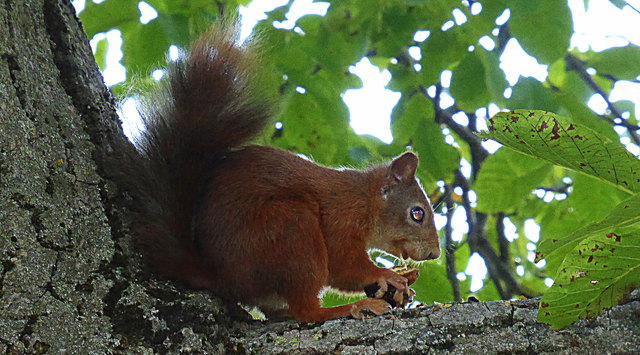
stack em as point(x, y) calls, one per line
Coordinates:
point(390, 278)
point(393, 287)
point(395, 298)
point(372, 305)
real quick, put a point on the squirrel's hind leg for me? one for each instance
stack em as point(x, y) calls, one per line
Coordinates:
point(310, 310)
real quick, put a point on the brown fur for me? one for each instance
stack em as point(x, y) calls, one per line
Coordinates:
point(257, 224)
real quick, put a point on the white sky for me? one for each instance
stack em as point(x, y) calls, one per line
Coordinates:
point(600, 27)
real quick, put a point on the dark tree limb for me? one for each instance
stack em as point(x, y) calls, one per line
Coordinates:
point(577, 65)
point(503, 242)
point(562, 188)
point(497, 265)
point(450, 247)
point(478, 152)
point(499, 271)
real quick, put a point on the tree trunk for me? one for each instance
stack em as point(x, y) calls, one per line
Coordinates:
point(71, 283)
point(56, 246)
point(69, 280)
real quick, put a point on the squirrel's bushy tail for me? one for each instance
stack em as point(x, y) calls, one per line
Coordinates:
point(209, 104)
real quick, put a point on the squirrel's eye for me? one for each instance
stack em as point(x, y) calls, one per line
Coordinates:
point(417, 214)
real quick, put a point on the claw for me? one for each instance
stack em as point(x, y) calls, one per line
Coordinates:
point(375, 306)
point(382, 288)
point(392, 288)
point(398, 297)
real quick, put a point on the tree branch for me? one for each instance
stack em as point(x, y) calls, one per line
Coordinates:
point(471, 327)
point(478, 153)
point(562, 188)
point(498, 271)
point(450, 248)
point(503, 242)
point(577, 65)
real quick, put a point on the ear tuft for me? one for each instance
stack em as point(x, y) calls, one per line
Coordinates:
point(403, 168)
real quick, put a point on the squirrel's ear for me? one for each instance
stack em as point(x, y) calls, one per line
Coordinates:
point(403, 168)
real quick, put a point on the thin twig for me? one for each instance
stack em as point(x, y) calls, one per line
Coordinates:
point(632, 7)
point(562, 188)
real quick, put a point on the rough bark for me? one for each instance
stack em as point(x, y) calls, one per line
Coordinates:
point(70, 281)
point(56, 242)
point(485, 327)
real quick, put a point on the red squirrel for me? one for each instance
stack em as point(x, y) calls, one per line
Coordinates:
point(256, 224)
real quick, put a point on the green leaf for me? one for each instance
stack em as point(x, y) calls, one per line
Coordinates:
point(507, 167)
point(568, 81)
point(494, 76)
point(571, 98)
point(530, 94)
point(560, 141)
point(629, 107)
point(587, 193)
point(488, 292)
point(442, 50)
point(314, 129)
point(622, 62)
point(329, 45)
point(619, 3)
point(102, 47)
point(144, 47)
point(403, 78)
point(484, 23)
point(478, 80)
point(316, 123)
point(598, 273)
point(192, 7)
point(625, 214)
point(590, 200)
point(577, 111)
point(468, 85)
point(433, 285)
point(333, 298)
point(413, 124)
point(398, 25)
point(542, 27)
point(107, 15)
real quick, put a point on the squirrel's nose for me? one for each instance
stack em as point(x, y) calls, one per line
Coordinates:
point(434, 254)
